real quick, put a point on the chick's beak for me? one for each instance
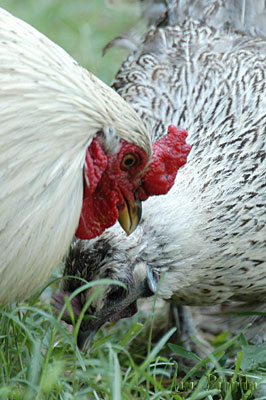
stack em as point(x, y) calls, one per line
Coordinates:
point(125, 307)
point(130, 215)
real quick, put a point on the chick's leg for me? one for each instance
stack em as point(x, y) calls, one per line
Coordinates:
point(187, 333)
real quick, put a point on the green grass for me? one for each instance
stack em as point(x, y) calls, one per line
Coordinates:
point(39, 358)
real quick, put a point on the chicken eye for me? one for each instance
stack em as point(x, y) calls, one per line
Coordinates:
point(128, 161)
point(116, 293)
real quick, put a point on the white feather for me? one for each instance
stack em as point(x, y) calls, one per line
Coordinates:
point(50, 110)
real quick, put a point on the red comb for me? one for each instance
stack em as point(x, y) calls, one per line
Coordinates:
point(169, 154)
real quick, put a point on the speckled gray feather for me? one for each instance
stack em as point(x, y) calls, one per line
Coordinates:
point(207, 237)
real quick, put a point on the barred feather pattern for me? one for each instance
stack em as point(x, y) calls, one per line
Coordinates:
point(212, 83)
point(208, 235)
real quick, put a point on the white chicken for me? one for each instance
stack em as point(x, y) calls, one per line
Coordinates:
point(206, 238)
point(73, 155)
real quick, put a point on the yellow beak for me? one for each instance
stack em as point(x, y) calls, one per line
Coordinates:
point(130, 215)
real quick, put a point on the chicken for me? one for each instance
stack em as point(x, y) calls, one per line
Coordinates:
point(205, 240)
point(74, 157)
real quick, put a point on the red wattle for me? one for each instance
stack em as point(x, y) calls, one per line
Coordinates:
point(169, 154)
point(98, 213)
point(92, 219)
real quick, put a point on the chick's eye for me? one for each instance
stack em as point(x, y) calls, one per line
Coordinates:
point(116, 293)
point(128, 161)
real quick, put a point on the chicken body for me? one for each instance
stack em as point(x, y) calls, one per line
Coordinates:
point(51, 109)
point(206, 238)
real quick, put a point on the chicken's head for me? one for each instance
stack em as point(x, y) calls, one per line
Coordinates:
point(100, 301)
point(119, 174)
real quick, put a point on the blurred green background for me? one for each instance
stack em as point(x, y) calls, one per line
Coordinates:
point(81, 27)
